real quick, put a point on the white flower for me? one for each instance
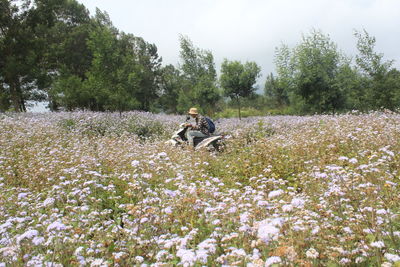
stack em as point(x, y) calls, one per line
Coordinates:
point(5, 226)
point(378, 244)
point(135, 163)
point(347, 230)
point(344, 261)
point(139, 259)
point(28, 235)
point(188, 257)
point(312, 253)
point(162, 154)
point(118, 255)
point(216, 222)
point(315, 230)
point(22, 195)
point(202, 255)
point(298, 202)
point(392, 257)
point(386, 264)
point(37, 240)
point(353, 160)
point(49, 201)
point(381, 211)
point(99, 262)
point(287, 208)
point(57, 226)
point(272, 260)
point(168, 210)
point(232, 210)
point(275, 193)
point(268, 230)
point(244, 217)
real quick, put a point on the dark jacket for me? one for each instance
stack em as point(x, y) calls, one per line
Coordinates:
point(201, 125)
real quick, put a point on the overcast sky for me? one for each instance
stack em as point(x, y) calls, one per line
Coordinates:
point(250, 30)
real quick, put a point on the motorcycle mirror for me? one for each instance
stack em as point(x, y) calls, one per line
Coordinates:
point(187, 118)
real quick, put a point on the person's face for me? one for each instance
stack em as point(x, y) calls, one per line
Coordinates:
point(193, 115)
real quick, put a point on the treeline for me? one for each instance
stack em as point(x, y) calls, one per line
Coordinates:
point(54, 50)
point(316, 77)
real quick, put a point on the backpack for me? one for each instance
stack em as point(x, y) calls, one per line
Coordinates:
point(211, 125)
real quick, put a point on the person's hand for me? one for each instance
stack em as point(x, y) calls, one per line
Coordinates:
point(188, 125)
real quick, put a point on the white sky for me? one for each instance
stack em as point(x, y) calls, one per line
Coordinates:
point(250, 30)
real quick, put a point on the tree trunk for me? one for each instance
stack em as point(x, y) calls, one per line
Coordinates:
point(15, 97)
point(238, 100)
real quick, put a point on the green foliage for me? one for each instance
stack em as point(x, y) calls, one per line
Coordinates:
point(382, 83)
point(318, 62)
point(199, 79)
point(315, 77)
point(145, 129)
point(238, 80)
point(171, 84)
point(245, 112)
point(276, 92)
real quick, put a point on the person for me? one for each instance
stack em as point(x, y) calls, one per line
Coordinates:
point(198, 130)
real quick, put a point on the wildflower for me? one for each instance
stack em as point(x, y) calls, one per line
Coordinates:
point(168, 210)
point(272, 260)
point(28, 235)
point(22, 195)
point(381, 211)
point(312, 253)
point(5, 226)
point(315, 230)
point(99, 262)
point(188, 257)
point(353, 160)
point(216, 222)
point(202, 255)
point(360, 259)
point(347, 230)
point(244, 217)
point(139, 259)
point(49, 201)
point(37, 240)
point(298, 202)
point(392, 257)
point(287, 208)
point(275, 193)
point(268, 231)
point(378, 244)
point(344, 261)
point(135, 163)
point(57, 226)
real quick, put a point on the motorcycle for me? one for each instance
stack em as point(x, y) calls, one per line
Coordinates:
point(212, 142)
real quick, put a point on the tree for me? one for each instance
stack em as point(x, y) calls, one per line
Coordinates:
point(18, 57)
point(171, 85)
point(30, 36)
point(381, 88)
point(148, 70)
point(276, 91)
point(238, 80)
point(307, 74)
point(318, 62)
point(199, 78)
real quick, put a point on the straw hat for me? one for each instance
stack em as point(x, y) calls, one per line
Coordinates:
point(193, 111)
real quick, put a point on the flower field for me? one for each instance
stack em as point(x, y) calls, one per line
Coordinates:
point(103, 189)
